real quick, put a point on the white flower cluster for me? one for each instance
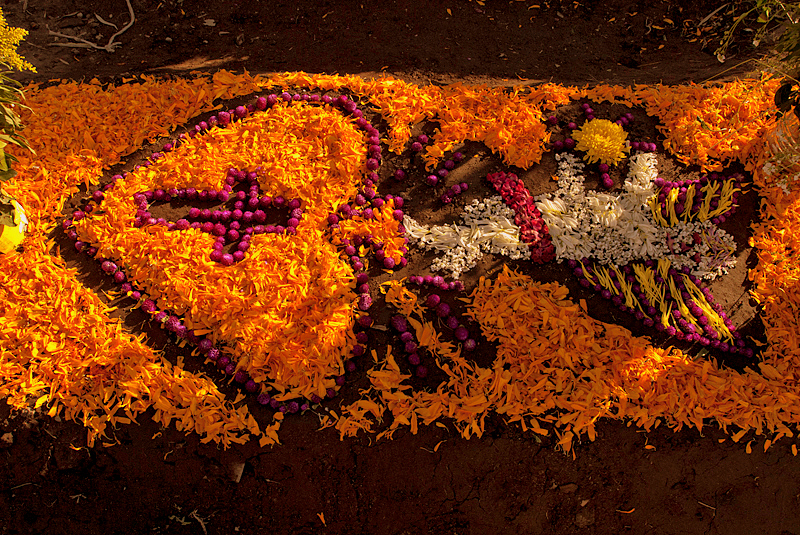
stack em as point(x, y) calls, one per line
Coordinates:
point(784, 180)
point(488, 227)
point(714, 248)
point(618, 229)
point(613, 229)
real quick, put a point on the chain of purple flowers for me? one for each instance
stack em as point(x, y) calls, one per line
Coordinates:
point(647, 312)
point(436, 178)
point(444, 313)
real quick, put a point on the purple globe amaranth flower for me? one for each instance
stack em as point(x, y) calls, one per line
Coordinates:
point(452, 322)
point(205, 345)
point(399, 323)
point(172, 323)
point(461, 333)
point(364, 302)
point(182, 332)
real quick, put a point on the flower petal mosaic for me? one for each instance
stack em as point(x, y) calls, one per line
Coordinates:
point(278, 244)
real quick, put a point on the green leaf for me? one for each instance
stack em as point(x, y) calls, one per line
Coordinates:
point(7, 175)
point(7, 211)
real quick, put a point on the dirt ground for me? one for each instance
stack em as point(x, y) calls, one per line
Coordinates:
point(162, 481)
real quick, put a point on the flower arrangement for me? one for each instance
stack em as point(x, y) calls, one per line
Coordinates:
point(547, 345)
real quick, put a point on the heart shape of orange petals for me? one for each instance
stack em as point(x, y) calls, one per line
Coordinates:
point(285, 313)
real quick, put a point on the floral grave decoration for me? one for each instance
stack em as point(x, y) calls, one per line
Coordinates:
point(175, 235)
point(646, 249)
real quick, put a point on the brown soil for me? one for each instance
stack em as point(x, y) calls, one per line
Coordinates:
point(162, 481)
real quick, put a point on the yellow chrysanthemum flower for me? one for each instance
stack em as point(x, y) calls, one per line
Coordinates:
point(602, 141)
point(9, 40)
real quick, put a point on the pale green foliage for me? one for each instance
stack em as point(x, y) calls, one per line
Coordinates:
point(771, 17)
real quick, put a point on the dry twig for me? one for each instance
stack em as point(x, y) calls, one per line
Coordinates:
point(111, 46)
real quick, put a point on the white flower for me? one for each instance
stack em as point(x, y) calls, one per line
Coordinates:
point(556, 214)
point(488, 228)
point(620, 229)
point(604, 209)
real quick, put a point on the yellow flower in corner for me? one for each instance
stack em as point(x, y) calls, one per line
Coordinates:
point(602, 141)
point(9, 40)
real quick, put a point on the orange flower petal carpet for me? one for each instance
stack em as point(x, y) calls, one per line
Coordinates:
point(260, 237)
